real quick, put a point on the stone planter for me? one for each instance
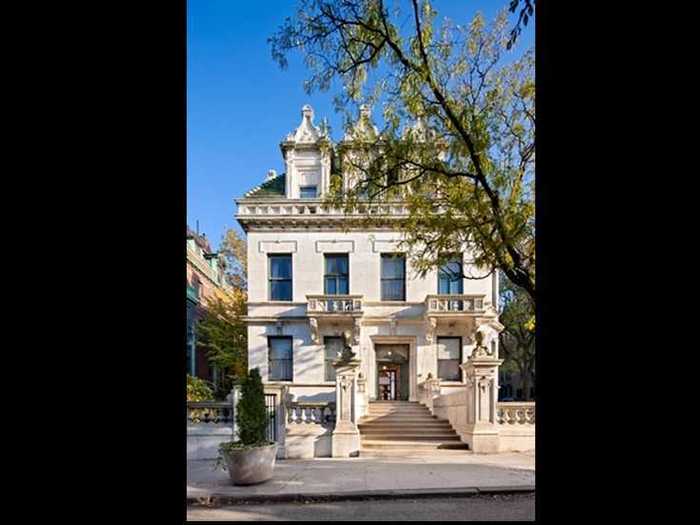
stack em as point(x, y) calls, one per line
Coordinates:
point(251, 465)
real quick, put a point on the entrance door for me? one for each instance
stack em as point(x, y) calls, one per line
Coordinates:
point(388, 384)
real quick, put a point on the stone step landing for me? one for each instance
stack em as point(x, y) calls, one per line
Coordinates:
point(405, 428)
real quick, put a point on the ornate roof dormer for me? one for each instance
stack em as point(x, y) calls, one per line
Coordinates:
point(420, 131)
point(307, 133)
point(307, 154)
point(363, 129)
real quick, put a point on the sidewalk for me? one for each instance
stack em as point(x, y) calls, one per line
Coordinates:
point(368, 477)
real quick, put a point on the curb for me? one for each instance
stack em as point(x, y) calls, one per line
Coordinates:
point(217, 499)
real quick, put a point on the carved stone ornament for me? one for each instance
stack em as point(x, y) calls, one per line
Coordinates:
point(431, 330)
point(480, 350)
point(483, 384)
point(346, 355)
point(363, 128)
point(313, 322)
point(306, 133)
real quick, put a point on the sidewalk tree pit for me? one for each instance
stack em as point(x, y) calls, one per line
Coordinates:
point(250, 460)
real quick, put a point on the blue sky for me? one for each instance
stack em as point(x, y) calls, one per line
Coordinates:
point(240, 104)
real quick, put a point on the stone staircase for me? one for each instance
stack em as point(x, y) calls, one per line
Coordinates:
point(405, 428)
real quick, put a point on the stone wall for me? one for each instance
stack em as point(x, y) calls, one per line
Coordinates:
point(512, 437)
point(203, 440)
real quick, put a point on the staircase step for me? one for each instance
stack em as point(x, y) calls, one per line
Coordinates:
point(398, 419)
point(410, 445)
point(409, 411)
point(428, 425)
point(412, 452)
point(395, 404)
point(433, 436)
point(419, 425)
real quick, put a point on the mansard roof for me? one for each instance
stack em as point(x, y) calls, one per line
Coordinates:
point(270, 189)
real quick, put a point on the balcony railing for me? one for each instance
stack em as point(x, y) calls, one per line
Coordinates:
point(311, 413)
point(332, 304)
point(286, 208)
point(214, 412)
point(454, 303)
point(515, 413)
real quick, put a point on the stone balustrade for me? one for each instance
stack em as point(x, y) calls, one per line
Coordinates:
point(330, 304)
point(454, 303)
point(318, 208)
point(211, 412)
point(311, 413)
point(515, 413)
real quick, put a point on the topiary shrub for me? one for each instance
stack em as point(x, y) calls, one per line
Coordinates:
point(251, 414)
point(251, 417)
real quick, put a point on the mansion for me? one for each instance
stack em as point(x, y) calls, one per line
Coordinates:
point(318, 283)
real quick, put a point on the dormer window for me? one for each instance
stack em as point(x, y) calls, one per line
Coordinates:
point(307, 192)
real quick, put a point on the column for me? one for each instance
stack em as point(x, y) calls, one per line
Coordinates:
point(361, 400)
point(346, 436)
point(481, 374)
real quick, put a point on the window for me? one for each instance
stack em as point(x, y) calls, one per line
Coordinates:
point(279, 352)
point(335, 278)
point(450, 277)
point(280, 277)
point(393, 277)
point(449, 350)
point(307, 192)
point(332, 347)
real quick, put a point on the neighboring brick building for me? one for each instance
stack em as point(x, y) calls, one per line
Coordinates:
point(205, 275)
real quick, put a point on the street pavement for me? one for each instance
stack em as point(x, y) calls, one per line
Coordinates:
point(511, 507)
point(338, 476)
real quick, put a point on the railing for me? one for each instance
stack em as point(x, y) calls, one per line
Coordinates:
point(213, 412)
point(334, 303)
point(509, 413)
point(286, 208)
point(271, 407)
point(311, 413)
point(454, 303)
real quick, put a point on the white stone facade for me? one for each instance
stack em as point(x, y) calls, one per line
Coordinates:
point(278, 221)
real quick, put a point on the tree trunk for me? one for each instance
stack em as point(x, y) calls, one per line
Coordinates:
point(525, 383)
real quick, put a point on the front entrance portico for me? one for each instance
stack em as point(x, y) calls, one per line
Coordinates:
point(400, 346)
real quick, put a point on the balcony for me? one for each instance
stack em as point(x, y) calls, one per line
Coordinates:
point(288, 207)
point(306, 212)
point(454, 304)
point(334, 304)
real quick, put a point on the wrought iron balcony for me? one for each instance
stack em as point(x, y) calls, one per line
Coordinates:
point(454, 303)
point(334, 304)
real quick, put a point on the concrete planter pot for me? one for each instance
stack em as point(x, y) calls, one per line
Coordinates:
point(251, 465)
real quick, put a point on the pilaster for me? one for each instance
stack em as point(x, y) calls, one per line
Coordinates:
point(346, 435)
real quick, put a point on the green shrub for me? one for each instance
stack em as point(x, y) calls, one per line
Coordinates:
point(251, 414)
point(198, 389)
point(251, 417)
